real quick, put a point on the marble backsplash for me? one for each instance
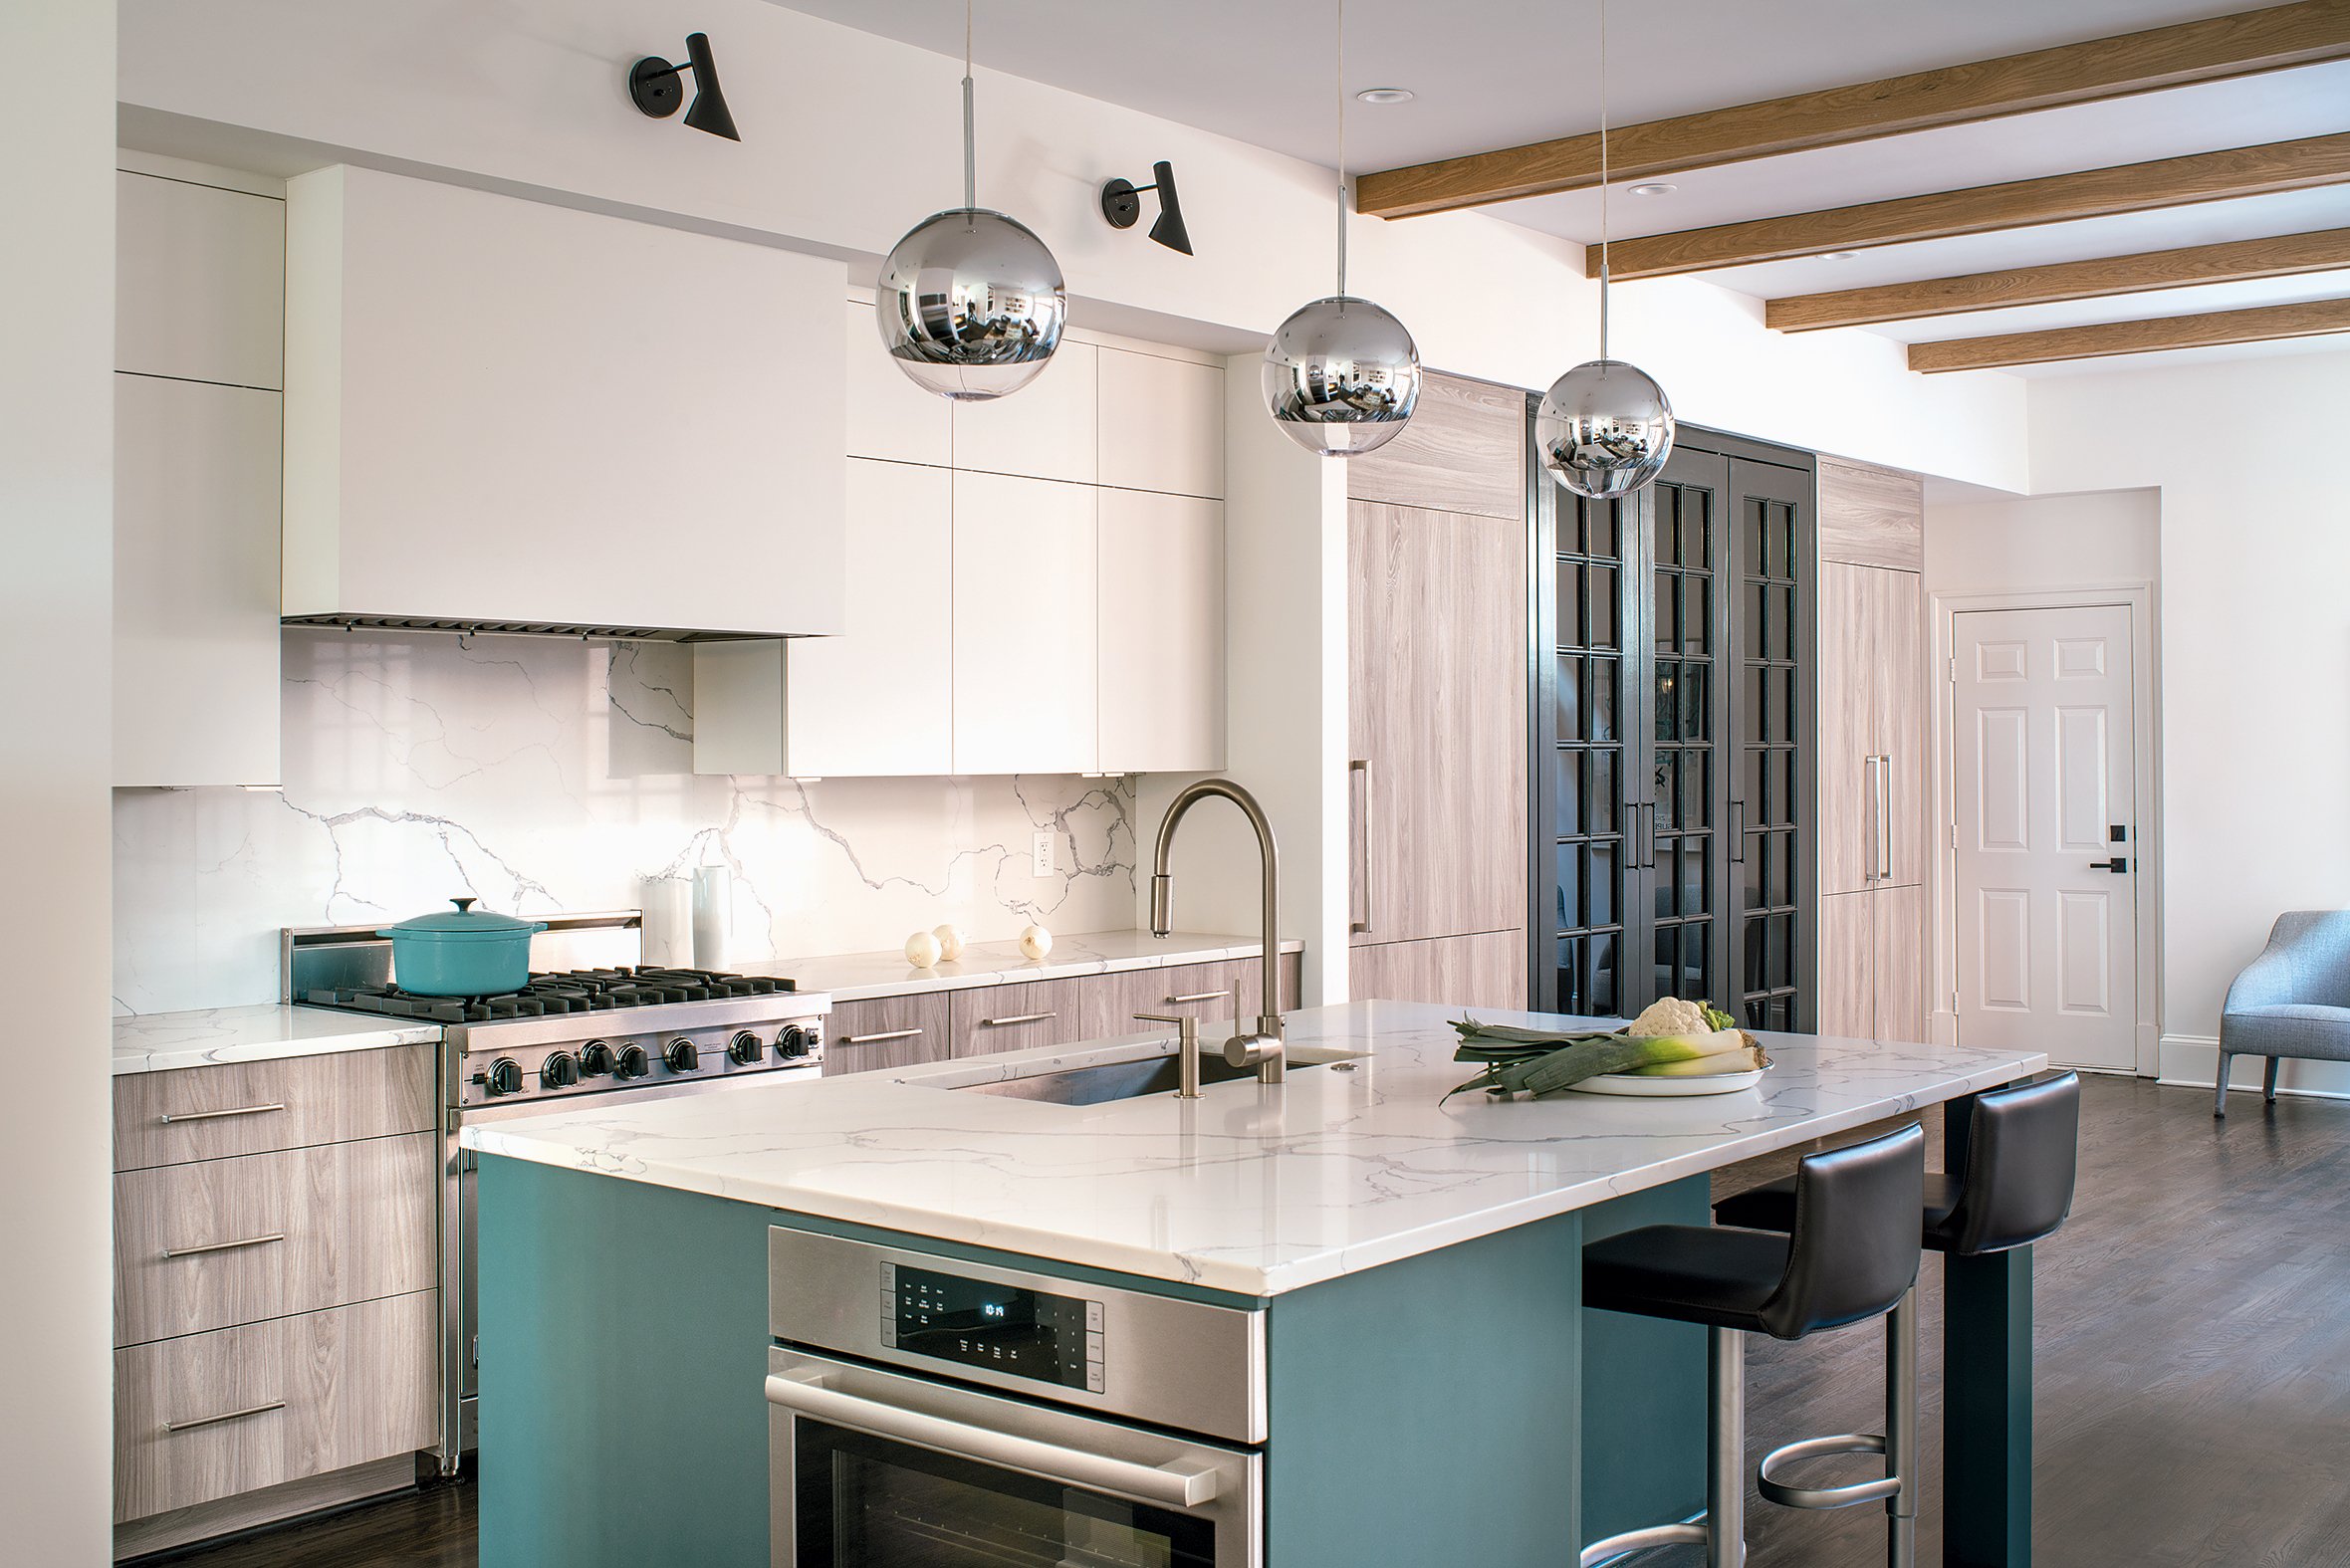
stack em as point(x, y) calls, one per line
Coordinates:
point(544, 775)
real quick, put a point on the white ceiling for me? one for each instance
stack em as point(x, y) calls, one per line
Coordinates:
point(1517, 71)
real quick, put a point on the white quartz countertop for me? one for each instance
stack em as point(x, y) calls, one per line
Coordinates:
point(1249, 1188)
point(857, 976)
point(161, 1041)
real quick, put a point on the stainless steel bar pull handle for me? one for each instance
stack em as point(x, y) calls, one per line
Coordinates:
point(1197, 996)
point(1868, 770)
point(1017, 1017)
point(1178, 1484)
point(167, 1118)
point(1884, 818)
point(876, 1039)
point(1361, 768)
point(226, 1414)
point(223, 1246)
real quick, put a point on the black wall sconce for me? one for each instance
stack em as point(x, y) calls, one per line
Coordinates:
point(1122, 203)
point(654, 87)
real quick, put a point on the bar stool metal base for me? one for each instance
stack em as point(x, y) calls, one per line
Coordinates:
point(1897, 1488)
point(1723, 1533)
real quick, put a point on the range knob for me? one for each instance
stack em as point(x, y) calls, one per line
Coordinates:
point(795, 1041)
point(745, 1048)
point(630, 1063)
point(560, 1070)
point(503, 1076)
point(682, 1056)
point(596, 1059)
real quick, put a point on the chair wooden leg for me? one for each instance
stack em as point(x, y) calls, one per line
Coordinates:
point(2269, 1084)
point(2219, 1094)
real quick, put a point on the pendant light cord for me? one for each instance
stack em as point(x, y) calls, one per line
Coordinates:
point(1603, 179)
point(1341, 148)
point(970, 139)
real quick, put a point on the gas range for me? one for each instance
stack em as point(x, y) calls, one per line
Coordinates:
point(597, 1031)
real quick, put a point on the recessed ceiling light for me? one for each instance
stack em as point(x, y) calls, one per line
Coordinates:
point(1385, 95)
point(1655, 188)
point(1839, 255)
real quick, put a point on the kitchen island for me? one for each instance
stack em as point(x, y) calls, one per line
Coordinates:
point(1433, 1382)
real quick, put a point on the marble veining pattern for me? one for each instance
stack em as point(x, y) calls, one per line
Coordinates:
point(854, 977)
point(1247, 1189)
point(546, 774)
point(166, 1041)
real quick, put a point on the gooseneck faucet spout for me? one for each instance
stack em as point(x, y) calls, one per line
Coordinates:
point(1261, 1048)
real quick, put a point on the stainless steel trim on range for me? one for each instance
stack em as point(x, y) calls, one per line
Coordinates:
point(1172, 1361)
point(1220, 1487)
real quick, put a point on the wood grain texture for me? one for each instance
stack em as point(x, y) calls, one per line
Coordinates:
point(924, 1011)
point(2261, 324)
point(1437, 704)
point(1240, 980)
point(1462, 451)
point(360, 1220)
point(2204, 51)
point(1487, 969)
point(1080, 1007)
point(286, 1501)
point(1899, 971)
point(1871, 516)
point(2277, 256)
point(1896, 602)
point(329, 1098)
point(1847, 728)
point(1983, 209)
point(1847, 965)
point(356, 1384)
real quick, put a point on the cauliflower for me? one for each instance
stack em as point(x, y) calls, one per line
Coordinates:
point(1670, 1015)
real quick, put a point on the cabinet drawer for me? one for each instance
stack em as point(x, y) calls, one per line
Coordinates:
point(251, 1107)
point(1216, 991)
point(210, 1416)
point(223, 1241)
point(1037, 1012)
point(886, 1031)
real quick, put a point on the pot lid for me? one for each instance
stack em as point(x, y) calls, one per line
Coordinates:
point(463, 923)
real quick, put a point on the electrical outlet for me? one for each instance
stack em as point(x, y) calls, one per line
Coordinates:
point(1043, 854)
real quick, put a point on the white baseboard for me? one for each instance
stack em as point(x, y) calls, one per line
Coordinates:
point(2192, 1061)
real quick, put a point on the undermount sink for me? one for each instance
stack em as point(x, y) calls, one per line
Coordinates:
point(1131, 1079)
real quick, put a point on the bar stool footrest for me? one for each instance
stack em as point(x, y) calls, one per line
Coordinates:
point(1786, 1496)
point(1641, 1540)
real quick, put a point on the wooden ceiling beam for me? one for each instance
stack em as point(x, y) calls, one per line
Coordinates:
point(1983, 209)
point(2212, 50)
point(2277, 256)
point(2261, 324)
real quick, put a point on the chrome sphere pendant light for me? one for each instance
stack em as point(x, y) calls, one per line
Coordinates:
point(1341, 375)
point(1605, 427)
point(971, 303)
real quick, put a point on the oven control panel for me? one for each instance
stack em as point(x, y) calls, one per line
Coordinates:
point(1011, 1330)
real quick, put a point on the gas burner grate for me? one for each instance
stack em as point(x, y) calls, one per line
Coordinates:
point(577, 990)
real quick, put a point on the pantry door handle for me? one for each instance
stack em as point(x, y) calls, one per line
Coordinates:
point(223, 1247)
point(1362, 767)
point(167, 1118)
point(876, 1039)
point(1018, 1018)
point(1884, 818)
point(226, 1414)
point(1875, 806)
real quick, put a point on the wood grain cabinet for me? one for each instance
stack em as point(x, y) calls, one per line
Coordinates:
point(276, 1289)
point(887, 1031)
point(1025, 1013)
point(1873, 696)
point(1485, 970)
point(1216, 993)
point(1437, 677)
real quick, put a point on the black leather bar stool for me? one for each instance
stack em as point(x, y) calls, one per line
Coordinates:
point(2014, 1188)
point(1851, 1255)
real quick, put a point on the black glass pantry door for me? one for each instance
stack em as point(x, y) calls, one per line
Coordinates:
point(1672, 810)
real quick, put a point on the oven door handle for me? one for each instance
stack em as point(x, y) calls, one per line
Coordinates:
point(1179, 1483)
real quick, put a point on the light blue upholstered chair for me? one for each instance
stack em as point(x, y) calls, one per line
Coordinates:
point(2291, 1001)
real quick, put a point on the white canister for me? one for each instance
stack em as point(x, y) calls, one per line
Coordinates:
point(668, 935)
point(713, 915)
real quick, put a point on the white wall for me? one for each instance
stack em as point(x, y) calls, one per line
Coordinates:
point(56, 364)
point(2087, 540)
point(2256, 647)
point(851, 138)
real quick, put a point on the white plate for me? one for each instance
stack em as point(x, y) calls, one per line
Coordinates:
point(1665, 1088)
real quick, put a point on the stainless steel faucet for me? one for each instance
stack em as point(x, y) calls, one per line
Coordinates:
point(1261, 1048)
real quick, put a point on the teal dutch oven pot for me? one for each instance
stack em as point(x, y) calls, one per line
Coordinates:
point(464, 952)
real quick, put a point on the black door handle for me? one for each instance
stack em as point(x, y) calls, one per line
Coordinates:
point(2117, 866)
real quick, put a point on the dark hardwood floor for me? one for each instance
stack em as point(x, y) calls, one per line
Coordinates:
point(2193, 1386)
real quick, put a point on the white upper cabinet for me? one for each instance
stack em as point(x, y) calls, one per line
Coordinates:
point(889, 416)
point(505, 413)
point(1024, 632)
point(199, 282)
point(1161, 423)
point(196, 463)
point(1043, 431)
point(1159, 579)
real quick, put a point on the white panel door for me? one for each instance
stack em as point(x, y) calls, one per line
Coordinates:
point(199, 282)
point(889, 416)
point(1045, 430)
point(2045, 776)
point(1161, 423)
point(1161, 659)
point(1023, 636)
